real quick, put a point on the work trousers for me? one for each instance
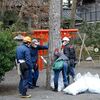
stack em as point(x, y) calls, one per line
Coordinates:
point(64, 70)
point(35, 73)
point(23, 84)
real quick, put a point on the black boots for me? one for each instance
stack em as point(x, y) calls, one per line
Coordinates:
point(56, 88)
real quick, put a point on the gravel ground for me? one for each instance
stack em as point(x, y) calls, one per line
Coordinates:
point(9, 90)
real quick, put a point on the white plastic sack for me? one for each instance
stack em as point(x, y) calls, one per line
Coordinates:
point(93, 83)
point(76, 87)
point(89, 59)
point(82, 83)
point(78, 76)
point(60, 82)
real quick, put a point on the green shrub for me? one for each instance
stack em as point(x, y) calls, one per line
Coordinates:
point(7, 52)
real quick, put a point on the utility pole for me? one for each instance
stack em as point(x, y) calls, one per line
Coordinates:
point(54, 34)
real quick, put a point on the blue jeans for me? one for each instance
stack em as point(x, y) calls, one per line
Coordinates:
point(30, 79)
point(35, 74)
point(64, 73)
point(72, 71)
point(23, 84)
point(72, 68)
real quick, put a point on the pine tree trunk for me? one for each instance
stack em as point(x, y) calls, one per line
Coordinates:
point(54, 34)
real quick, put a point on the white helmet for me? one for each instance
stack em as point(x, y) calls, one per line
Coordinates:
point(66, 39)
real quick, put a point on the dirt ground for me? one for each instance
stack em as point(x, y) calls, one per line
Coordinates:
point(9, 90)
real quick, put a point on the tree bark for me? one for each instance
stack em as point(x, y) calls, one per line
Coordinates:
point(54, 34)
point(73, 12)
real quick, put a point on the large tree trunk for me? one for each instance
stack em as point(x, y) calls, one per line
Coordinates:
point(73, 12)
point(54, 34)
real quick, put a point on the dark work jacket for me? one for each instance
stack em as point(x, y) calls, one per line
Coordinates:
point(69, 53)
point(34, 52)
point(23, 53)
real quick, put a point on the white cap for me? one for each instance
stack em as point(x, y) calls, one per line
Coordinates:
point(35, 41)
point(66, 39)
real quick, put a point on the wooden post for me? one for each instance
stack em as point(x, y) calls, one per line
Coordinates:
point(85, 46)
point(82, 46)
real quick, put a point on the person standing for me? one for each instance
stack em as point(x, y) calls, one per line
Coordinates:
point(60, 65)
point(23, 57)
point(35, 46)
point(69, 51)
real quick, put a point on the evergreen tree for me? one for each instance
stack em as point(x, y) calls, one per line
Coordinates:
point(7, 52)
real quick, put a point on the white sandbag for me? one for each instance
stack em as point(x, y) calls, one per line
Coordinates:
point(96, 76)
point(60, 81)
point(93, 83)
point(78, 76)
point(89, 59)
point(82, 83)
point(76, 87)
point(52, 81)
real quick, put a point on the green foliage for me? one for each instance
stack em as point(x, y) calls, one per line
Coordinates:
point(1, 25)
point(7, 52)
point(92, 31)
point(19, 26)
point(65, 23)
point(93, 34)
point(10, 19)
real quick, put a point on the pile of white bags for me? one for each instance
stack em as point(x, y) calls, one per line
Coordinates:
point(87, 82)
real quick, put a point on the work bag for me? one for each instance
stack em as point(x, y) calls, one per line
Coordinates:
point(23, 66)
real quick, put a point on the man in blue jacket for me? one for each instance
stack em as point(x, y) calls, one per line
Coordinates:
point(24, 59)
point(35, 46)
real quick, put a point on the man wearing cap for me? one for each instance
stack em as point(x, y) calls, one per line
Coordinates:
point(35, 46)
point(24, 59)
